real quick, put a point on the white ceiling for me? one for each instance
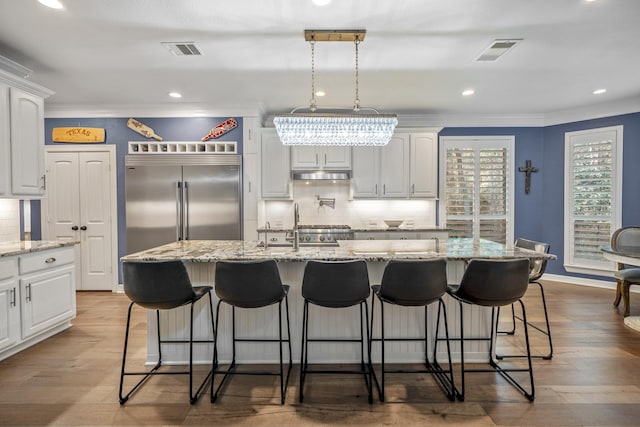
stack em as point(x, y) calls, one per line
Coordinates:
point(417, 57)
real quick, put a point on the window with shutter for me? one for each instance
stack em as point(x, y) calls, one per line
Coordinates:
point(477, 187)
point(593, 177)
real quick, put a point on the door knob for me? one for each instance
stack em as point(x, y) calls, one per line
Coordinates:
point(74, 228)
point(84, 227)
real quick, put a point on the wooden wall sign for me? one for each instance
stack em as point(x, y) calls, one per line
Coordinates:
point(221, 129)
point(78, 134)
point(142, 129)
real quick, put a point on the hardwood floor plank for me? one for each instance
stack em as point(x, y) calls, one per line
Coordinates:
point(72, 378)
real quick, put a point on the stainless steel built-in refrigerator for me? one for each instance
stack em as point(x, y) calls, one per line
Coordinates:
point(182, 197)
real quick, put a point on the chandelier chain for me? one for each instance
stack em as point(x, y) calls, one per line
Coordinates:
point(356, 102)
point(312, 102)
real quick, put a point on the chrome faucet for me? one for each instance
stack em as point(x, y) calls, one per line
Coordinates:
point(296, 233)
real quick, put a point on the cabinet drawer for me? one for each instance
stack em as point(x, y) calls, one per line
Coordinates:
point(8, 268)
point(45, 259)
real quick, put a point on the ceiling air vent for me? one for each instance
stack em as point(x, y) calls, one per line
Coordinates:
point(182, 48)
point(496, 49)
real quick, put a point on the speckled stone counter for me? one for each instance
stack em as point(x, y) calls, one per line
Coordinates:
point(26, 246)
point(200, 258)
point(374, 251)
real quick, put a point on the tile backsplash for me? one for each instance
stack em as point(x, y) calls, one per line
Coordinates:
point(356, 213)
point(9, 220)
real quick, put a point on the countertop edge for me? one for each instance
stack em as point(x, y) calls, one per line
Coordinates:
point(28, 246)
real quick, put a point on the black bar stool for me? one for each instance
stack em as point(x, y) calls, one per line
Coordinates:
point(536, 270)
point(162, 286)
point(336, 285)
point(493, 283)
point(252, 284)
point(414, 284)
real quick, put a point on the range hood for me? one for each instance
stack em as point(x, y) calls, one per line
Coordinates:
point(320, 175)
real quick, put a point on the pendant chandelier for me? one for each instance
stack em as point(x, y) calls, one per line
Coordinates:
point(359, 126)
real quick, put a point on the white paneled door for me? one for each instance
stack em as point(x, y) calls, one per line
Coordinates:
point(78, 207)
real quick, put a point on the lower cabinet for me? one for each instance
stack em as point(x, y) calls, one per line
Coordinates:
point(401, 235)
point(37, 300)
point(9, 304)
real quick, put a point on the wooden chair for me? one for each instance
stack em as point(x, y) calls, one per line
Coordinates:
point(624, 239)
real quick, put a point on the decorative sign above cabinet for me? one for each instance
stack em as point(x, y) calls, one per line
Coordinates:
point(77, 134)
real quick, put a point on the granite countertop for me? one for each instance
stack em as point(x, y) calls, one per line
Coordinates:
point(26, 246)
point(453, 249)
point(361, 229)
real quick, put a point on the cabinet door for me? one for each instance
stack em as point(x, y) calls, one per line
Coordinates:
point(394, 167)
point(9, 314)
point(5, 152)
point(274, 165)
point(424, 165)
point(48, 298)
point(336, 158)
point(366, 172)
point(305, 157)
point(27, 143)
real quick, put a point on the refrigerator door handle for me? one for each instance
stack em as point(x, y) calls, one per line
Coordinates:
point(178, 211)
point(185, 208)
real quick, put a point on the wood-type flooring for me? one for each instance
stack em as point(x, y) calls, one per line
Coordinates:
point(72, 379)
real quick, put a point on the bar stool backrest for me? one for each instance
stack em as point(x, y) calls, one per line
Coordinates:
point(335, 284)
point(414, 283)
point(248, 284)
point(625, 237)
point(537, 266)
point(157, 285)
point(494, 283)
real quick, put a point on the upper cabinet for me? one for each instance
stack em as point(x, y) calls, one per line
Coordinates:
point(381, 172)
point(320, 157)
point(274, 166)
point(21, 138)
point(404, 168)
point(423, 168)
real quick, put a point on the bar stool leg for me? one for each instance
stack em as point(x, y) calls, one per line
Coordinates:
point(303, 350)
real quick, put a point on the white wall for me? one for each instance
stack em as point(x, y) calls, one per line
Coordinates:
point(9, 220)
point(356, 213)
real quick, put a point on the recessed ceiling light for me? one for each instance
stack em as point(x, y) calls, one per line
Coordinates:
point(320, 93)
point(468, 92)
point(53, 4)
point(175, 94)
point(321, 2)
point(599, 91)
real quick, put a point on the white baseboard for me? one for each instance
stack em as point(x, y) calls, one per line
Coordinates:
point(605, 284)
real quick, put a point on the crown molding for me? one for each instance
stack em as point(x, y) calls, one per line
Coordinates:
point(24, 84)
point(149, 110)
point(595, 111)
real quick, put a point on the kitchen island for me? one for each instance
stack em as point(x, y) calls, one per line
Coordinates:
point(200, 257)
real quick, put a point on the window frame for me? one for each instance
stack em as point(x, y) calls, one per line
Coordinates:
point(605, 267)
point(477, 143)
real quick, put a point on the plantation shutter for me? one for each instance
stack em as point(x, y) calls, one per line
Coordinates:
point(477, 189)
point(591, 196)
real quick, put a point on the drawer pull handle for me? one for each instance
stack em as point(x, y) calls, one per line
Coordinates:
point(50, 260)
point(274, 239)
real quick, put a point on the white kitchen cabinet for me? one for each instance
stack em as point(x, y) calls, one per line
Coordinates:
point(402, 235)
point(382, 172)
point(40, 297)
point(21, 138)
point(9, 304)
point(320, 157)
point(423, 168)
point(274, 167)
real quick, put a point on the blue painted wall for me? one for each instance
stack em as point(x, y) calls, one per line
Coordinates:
point(539, 215)
point(118, 134)
point(552, 212)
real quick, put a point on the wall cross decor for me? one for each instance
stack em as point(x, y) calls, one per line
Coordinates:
point(527, 169)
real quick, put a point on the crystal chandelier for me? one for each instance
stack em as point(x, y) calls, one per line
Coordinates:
point(329, 128)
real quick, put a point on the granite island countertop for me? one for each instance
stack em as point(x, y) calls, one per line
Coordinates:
point(363, 229)
point(454, 249)
point(26, 246)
